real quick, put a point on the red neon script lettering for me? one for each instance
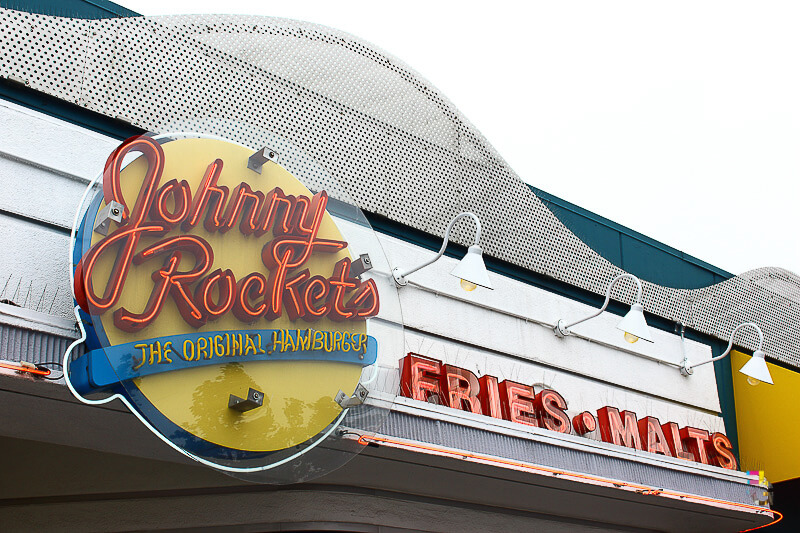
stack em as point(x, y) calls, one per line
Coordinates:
point(199, 294)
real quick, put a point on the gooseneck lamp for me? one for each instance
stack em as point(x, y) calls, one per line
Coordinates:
point(755, 369)
point(470, 269)
point(632, 324)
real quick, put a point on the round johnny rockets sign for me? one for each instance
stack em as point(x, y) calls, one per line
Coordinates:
point(220, 301)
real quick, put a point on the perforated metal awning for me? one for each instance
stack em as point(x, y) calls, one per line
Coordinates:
point(400, 148)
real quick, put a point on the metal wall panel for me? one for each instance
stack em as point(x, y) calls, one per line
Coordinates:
point(18, 344)
point(332, 101)
point(448, 435)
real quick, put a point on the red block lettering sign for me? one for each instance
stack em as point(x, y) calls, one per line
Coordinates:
point(460, 389)
point(695, 440)
point(490, 396)
point(720, 452)
point(674, 442)
point(653, 439)
point(517, 400)
point(424, 378)
point(419, 378)
point(551, 411)
point(615, 431)
point(584, 423)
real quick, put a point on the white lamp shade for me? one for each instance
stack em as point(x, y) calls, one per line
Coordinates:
point(756, 368)
point(472, 269)
point(635, 324)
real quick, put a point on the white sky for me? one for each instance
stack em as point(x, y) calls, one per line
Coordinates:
point(680, 120)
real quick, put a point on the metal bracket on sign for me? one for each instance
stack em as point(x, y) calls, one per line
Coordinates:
point(360, 265)
point(254, 399)
point(257, 160)
point(358, 398)
point(113, 211)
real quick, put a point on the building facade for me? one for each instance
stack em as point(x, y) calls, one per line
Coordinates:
point(477, 416)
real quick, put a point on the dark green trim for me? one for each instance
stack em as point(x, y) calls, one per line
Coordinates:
point(77, 9)
point(633, 252)
point(61, 109)
point(724, 374)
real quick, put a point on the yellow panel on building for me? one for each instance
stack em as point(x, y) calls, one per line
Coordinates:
point(768, 420)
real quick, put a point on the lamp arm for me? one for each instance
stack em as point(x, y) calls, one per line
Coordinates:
point(608, 297)
point(686, 368)
point(403, 274)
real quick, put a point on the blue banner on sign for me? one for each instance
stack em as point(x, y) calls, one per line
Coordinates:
point(104, 367)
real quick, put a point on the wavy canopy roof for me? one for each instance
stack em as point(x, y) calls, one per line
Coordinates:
point(326, 99)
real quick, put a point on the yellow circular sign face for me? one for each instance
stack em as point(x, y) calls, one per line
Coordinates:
point(219, 280)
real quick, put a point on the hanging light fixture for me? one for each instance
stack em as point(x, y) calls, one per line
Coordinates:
point(755, 369)
point(470, 270)
point(632, 324)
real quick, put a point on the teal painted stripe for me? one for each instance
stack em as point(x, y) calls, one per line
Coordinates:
point(78, 9)
point(63, 110)
point(724, 375)
point(631, 251)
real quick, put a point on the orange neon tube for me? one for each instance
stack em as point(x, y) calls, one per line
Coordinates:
point(642, 489)
point(20, 368)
